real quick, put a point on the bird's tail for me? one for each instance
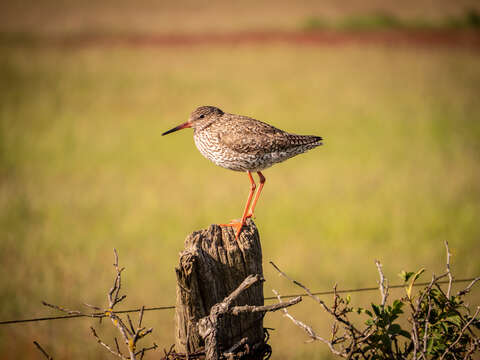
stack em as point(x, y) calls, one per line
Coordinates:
point(306, 140)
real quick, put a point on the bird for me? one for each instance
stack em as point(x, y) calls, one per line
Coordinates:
point(241, 143)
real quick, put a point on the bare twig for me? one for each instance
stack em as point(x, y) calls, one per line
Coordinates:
point(116, 353)
point(450, 277)
point(70, 312)
point(130, 334)
point(42, 350)
point(427, 291)
point(416, 310)
point(338, 317)
point(92, 307)
point(145, 349)
point(113, 297)
point(308, 329)
point(130, 323)
point(344, 345)
point(118, 347)
point(140, 318)
point(427, 323)
point(383, 283)
point(307, 290)
point(469, 287)
point(414, 336)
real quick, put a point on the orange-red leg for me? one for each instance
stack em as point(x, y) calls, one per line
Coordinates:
point(257, 195)
point(239, 224)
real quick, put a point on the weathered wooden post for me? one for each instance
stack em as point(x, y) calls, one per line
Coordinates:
point(211, 267)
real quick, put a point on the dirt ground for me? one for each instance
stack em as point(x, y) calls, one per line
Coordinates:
point(416, 38)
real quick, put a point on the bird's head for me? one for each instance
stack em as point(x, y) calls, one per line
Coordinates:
point(199, 119)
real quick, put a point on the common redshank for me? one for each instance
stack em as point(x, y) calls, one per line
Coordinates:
point(241, 143)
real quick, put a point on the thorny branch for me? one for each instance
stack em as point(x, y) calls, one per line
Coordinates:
point(427, 323)
point(106, 346)
point(469, 287)
point(383, 283)
point(432, 311)
point(337, 316)
point(308, 329)
point(450, 277)
point(340, 345)
point(131, 335)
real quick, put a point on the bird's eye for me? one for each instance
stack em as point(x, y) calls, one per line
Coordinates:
point(202, 116)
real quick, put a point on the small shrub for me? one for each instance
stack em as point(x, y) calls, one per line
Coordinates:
point(439, 323)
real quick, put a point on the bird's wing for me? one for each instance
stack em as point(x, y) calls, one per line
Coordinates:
point(249, 136)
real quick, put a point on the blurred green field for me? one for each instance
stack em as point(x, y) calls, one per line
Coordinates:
point(83, 169)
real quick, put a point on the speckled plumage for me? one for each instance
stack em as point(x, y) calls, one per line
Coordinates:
point(241, 143)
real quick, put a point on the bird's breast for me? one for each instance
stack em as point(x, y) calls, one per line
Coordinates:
point(210, 147)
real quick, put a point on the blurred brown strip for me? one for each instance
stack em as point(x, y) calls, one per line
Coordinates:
point(420, 38)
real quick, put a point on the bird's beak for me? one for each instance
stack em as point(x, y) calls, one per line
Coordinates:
point(179, 127)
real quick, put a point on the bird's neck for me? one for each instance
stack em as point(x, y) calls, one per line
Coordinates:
point(201, 127)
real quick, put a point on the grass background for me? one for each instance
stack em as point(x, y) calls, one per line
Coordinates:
point(83, 169)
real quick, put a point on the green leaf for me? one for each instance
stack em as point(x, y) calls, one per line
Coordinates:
point(430, 343)
point(455, 319)
point(394, 329)
point(405, 275)
point(397, 305)
point(376, 309)
point(415, 277)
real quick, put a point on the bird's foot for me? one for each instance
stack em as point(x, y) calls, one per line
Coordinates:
point(237, 224)
point(232, 222)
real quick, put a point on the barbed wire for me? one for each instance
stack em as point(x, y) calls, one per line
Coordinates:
point(170, 307)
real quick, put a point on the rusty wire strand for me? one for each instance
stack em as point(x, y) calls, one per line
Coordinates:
point(270, 298)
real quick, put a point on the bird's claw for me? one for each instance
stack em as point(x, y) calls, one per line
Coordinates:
point(250, 215)
point(237, 225)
